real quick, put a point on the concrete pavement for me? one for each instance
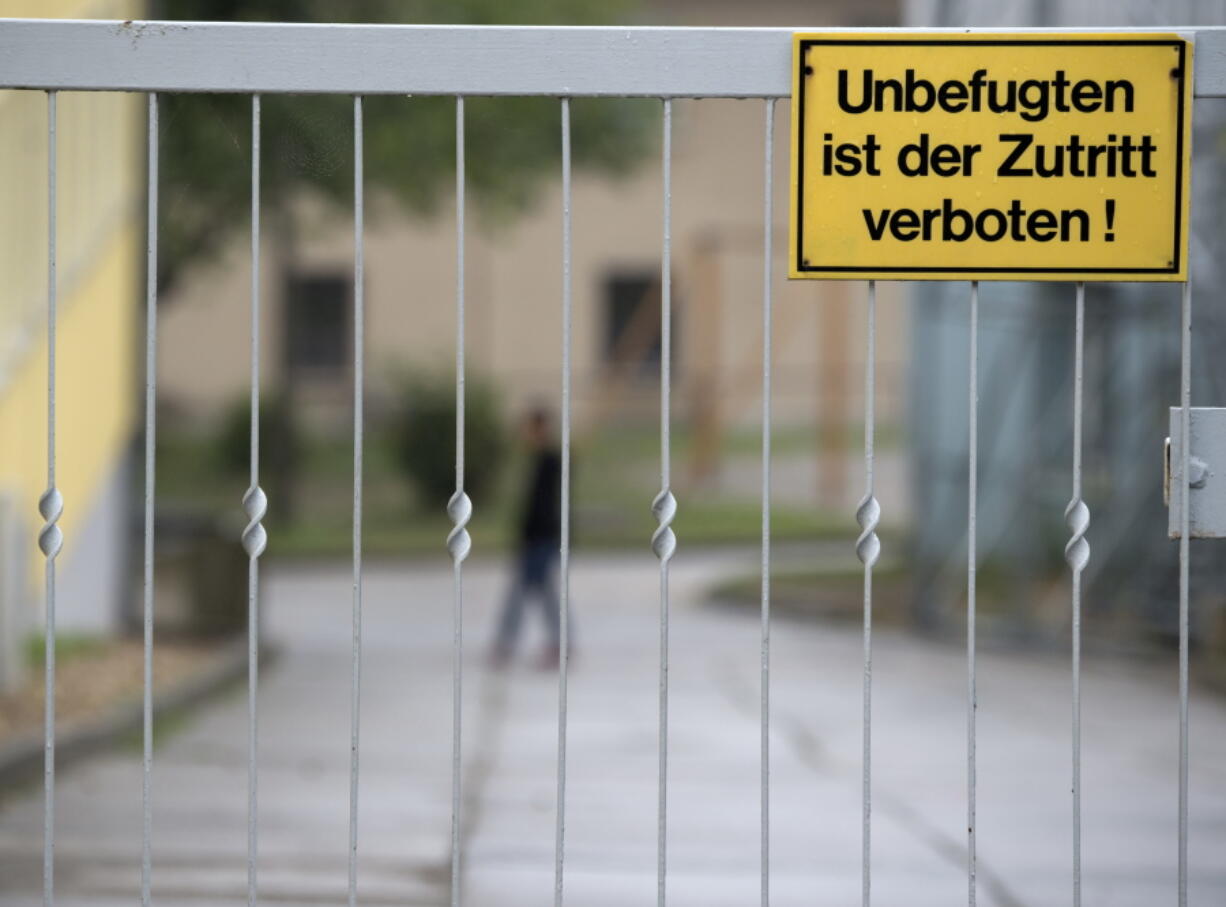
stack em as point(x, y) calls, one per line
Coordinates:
point(919, 818)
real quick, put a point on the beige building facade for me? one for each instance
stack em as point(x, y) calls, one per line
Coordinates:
point(513, 284)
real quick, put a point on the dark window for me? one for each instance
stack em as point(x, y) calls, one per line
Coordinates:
point(317, 323)
point(632, 321)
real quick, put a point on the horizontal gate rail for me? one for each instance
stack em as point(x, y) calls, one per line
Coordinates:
point(438, 59)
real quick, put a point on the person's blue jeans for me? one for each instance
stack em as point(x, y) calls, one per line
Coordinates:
point(534, 581)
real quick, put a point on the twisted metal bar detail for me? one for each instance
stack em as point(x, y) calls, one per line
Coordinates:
point(663, 540)
point(1077, 519)
point(459, 542)
point(868, 516)
point(255, 505)
point(51, 537)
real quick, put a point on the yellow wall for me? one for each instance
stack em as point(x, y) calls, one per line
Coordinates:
point(100, 279)
point(70, 9)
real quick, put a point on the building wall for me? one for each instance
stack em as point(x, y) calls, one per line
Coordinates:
point(513, 280)
point(100, 225)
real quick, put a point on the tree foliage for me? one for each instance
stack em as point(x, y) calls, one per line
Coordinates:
point(425, 442)
point(512, 144)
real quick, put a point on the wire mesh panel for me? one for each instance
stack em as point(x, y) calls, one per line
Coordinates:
point(665, 64)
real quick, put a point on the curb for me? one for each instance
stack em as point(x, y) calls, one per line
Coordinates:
point(21, 761)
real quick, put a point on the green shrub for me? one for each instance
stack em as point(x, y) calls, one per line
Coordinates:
point(425, 437)
point(278, 436)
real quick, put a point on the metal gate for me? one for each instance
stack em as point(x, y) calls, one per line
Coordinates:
point(661, 63)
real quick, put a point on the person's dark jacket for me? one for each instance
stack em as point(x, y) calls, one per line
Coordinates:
point(541, 520)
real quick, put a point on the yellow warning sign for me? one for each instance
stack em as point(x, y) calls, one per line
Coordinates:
point(990, 157)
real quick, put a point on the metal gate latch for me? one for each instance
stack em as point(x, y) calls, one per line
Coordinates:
point(1206, 473)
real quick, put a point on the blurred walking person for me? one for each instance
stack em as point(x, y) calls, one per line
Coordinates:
point(539, 535)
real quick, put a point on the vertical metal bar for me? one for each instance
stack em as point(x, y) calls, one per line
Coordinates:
point(564, 546)
point(1077, 555)
point(460, 509)
point(1185, 402)
point(972, 492)
point(358, 369)
point(663, 540)
point(254, 538)
point(768, 218)
point(50, 537)
point(868, 549)
point(151, 278)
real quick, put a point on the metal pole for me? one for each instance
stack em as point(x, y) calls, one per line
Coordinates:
point(564, 545)
point(972, 488)
point(358, 369)
point(663, 541)
point(51, 537)
point(150, 448)
point(254, 537)
point(460, 510)
point(768, 218)
point(1077, 554)
point(868, 549)
point(1185, 402)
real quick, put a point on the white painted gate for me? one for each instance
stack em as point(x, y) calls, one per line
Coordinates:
point(664, 63)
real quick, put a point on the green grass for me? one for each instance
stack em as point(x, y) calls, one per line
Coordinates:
point(68, 646)
point(698, 523)
point(836, 592)
point(643, 443)
point(615, 474)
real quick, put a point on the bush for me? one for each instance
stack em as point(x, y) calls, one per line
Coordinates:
point(425, 437)
point(278, 436)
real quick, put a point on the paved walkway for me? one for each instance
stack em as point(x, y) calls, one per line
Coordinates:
point(1130, 724)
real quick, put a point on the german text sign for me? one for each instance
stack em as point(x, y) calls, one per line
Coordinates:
point(990, 157)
